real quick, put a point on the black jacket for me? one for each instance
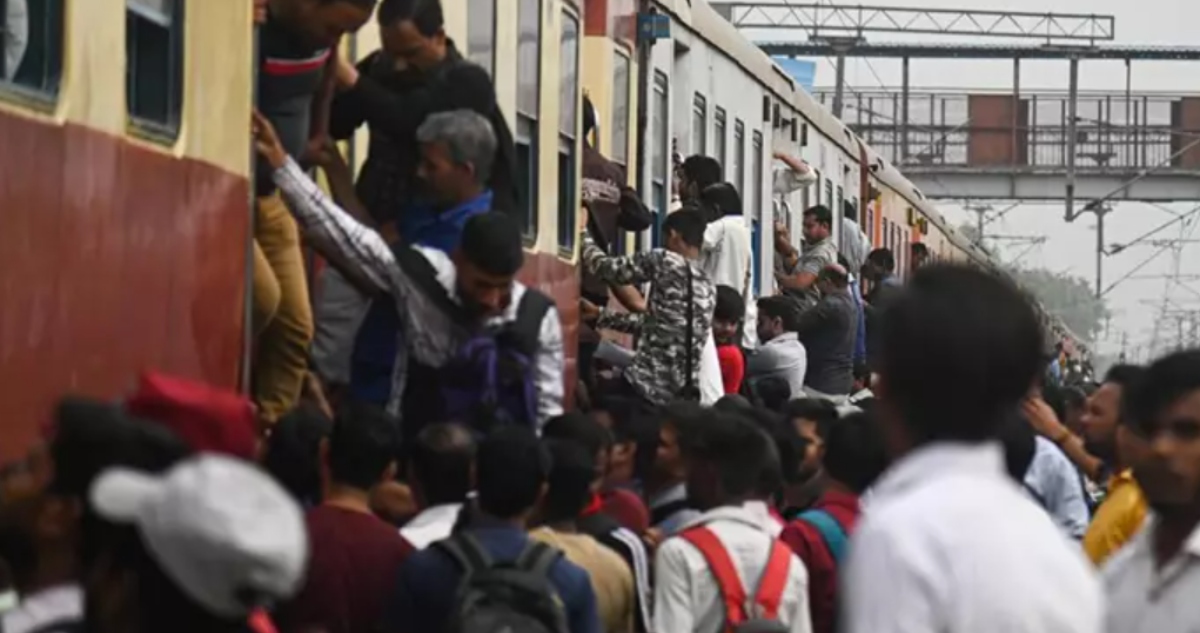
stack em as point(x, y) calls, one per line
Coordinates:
point(394, 104)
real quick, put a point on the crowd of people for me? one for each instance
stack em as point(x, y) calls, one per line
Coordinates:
point(862, 451)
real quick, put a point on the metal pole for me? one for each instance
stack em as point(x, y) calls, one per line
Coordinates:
point(1016, 111)
point(244, 381)
point(643, 100)
point(1129, 122)
point(1072, 102)
point(840, 86)
point(1101, 211)
point(904, 114)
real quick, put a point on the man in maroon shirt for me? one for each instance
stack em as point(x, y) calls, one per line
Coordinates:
point(854, 458)
point(355, 555)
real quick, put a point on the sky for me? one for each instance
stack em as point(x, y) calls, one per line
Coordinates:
point(1136, 301)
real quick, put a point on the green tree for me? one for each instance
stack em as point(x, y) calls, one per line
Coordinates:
point(1068, 297)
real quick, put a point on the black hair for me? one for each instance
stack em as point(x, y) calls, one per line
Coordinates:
point(293, 450)
point(960, 348)
point(917, 248)
point(589, 117)
point(733, 403)
point(883, 258)
point(362, 445)
point(1124, 375)
point(1019, 441)
point(821, 412)
point(572, 470)
point(635, 422)
point(362, 4)
point(426, 15)
point(733, 445)
point(1052, 395)
point(1074, 397)
point(849, 210)
point(1161, 385)
point(511, 467)
point(581, 428)
point(772, 392)
point(705, 171)
point(855, 453)
point(492, 241)
point(789, 446)
point(839, 278)
point(730, 305)
point(821, 214)
point(689, 224)
point(442, 457)
point(720, 200)
point(780, 307)
point(862, 372)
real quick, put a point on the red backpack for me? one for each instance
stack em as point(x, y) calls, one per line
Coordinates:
point(764, 610)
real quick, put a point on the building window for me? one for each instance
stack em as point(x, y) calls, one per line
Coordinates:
point(529, 75)
point(719, 136)
point(739, 157)
point(756, 201)
point(699, 124)
point(816, 189)
point(620, 114)
point(568, 120)
point(829, 194)
point(481, 33)
point(31, 45)
point(154, 65)
point(661, 156)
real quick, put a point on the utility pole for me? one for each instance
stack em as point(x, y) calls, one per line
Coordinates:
point(980, 211)
point(1100, 211)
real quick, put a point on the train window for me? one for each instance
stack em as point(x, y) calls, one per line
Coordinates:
point(568, 121)
point(739, 157)
point(31, 45)
point(719, 136)
point(529, 75)
point(481, 33)
point(829, 194)
point(756, 202)
point(620, 125)
point(699, 124)
point(841, 207)
point(661, 157)
point(154, 65)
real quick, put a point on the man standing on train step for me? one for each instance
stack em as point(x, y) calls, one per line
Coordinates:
point(418, 71)
point(296, 41)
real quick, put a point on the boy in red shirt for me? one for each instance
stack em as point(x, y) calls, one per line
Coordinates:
point(727, 327)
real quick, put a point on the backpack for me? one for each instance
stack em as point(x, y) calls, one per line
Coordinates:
point(763, 616)
point(831, 532)
point(490, 377)
point(494, 597)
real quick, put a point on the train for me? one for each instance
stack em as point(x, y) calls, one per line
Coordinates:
point(126, 188)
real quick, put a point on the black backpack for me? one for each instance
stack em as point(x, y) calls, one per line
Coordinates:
point(498, 597)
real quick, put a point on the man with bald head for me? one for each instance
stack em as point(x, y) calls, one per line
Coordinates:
point(828, 331)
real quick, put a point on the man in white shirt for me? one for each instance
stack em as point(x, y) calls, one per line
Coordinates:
point(724, 456)
point(1152, 583)
point(950, 543)
point(440, 467)
point(781, 353)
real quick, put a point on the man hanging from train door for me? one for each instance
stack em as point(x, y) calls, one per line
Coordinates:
point(296, 42)
point(419, 71)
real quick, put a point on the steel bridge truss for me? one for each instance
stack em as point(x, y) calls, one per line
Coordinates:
point(840, 20)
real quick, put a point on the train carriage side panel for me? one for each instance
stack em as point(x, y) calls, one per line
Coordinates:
point(124, 245)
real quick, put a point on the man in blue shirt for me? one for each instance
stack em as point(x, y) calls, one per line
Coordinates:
point(457, 153)
point(511, 470)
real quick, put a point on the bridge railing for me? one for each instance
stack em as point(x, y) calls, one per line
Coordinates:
point(1114, 131)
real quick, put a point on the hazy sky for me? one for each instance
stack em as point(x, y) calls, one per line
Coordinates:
point(1071, 247)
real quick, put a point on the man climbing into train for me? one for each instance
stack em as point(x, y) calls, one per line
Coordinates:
point(475, 340)
point(296, 40)
point(418, 71)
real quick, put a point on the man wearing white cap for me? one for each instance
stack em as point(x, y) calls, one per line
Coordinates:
point(217, 540)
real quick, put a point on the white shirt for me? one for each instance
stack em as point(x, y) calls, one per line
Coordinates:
point(712, 388)
point(59, 604)
point(1145, 598)
point(686, 597)
point(949, 544)
point(432, 524)
point(766, 520)
point(726, 257)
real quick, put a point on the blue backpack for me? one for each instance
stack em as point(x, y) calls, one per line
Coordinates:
point(491, 379)
point(831, 532)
